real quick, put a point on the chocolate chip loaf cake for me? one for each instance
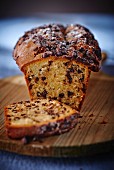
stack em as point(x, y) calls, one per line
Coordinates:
point(57, 61)
point(42, 117)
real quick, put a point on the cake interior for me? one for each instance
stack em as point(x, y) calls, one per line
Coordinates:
point(57, 78)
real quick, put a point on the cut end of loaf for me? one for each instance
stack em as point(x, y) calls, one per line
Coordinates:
point(57, 78)
point(42, 117)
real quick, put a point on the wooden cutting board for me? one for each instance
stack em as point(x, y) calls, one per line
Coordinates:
point(93, 134)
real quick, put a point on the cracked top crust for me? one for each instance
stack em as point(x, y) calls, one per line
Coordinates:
point(73, 42)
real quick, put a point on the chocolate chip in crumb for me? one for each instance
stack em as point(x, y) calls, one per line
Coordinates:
point(70, 93)
point(37, 101)
point(36, 49)
point(67, 43)
point(9, 119)
point(36, 79)
point(71, 70)
point(82, 50)
point(8, 116)
point(43, 78)
point(54, 98)
point(66, 103)
point(69, 77)
point(50, 62)
point(28, 106)
point(27, 101)
point(82, 78)
point(66, 64)
point(53, 117)
point(79, 71)
point(43, 104)
point(23, 114)
point(44, 94)
point(61, 95)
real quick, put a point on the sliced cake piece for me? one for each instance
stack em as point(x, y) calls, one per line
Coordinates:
point(42, 117)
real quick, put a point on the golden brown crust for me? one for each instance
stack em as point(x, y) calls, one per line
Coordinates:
point(73, 42)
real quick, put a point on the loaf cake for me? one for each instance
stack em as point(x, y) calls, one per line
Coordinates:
point(57, 61)
point(41, 117)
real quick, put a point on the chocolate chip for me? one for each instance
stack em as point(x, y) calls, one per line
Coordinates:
point(25, 37)
point(69, 77)
point(71, 70)
point(66, 103)
point(61, 95)
point(82, 78)
point(27, 101)
point(66, 64)
point(54, 98)
point(8, 116)
point(23, 114)
point(82, 50)
point(36, 49)
point(43, 78)
point(79, 71)
point(50, 62)
point(28, 106)
point(67, 43)
point(53, 117)
point(44, 94)
point(43, 104)
point(37, 101)
point(70, 93)
point(36, 79)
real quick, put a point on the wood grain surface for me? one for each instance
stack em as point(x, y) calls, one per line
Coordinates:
point(93, 134)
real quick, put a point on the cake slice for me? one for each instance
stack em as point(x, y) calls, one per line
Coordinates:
point(57, 61)
point(42, 117)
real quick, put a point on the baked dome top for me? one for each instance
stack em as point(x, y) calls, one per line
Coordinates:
point(72, 41)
